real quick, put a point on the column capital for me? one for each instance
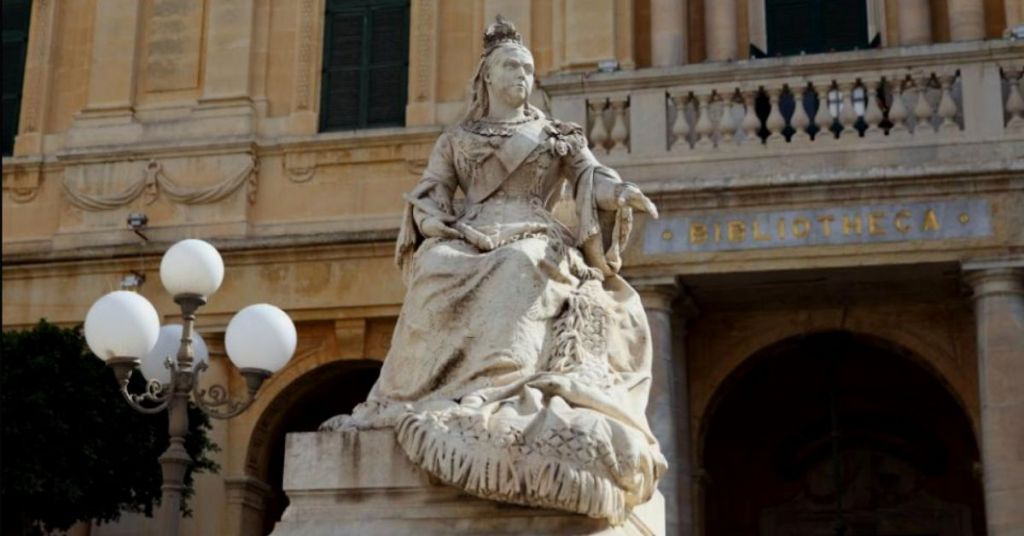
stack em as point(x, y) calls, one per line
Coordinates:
point(247, 490)
point(659, 292)
point(992, 277)
point(656, 292)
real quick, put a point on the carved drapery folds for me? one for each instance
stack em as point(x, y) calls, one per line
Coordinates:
point(154, 181)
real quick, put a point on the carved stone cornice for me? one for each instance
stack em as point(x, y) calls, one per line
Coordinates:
point(303, 157)
point(834, 63)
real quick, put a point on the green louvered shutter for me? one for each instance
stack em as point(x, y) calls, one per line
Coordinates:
point(366, 64)
point(16, 14)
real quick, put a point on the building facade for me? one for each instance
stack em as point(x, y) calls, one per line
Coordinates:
point(834, 286)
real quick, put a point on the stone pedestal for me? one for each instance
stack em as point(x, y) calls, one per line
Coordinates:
point(348, 483)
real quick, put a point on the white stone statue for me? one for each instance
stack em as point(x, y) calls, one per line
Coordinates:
point(520, 366)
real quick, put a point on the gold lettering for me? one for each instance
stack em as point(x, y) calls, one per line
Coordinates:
point(758, 235)
point(931, 223)
point(718, 233)
point(737, 231)
point(781, 228)
point(698, 233)
point(851, 225)
point(826, 225)
point(899, 221)
point(801, 227)
point(875, 224)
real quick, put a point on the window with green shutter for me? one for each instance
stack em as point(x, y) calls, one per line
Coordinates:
point(366, 64)
point(813, 26)
point(16, 14)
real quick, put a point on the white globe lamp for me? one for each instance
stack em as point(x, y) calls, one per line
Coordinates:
point(121, 324)
point(260, 337)
point(192, 267)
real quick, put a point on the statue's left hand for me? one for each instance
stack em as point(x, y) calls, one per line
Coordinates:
point(631, 196)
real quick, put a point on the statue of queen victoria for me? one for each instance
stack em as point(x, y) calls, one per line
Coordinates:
point(520, 365)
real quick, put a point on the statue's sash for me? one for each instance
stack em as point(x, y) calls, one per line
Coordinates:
point(506, 159)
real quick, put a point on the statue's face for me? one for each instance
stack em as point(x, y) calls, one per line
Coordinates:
point(510, 76)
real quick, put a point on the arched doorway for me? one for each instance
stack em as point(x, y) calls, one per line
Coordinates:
point(324, 392)
point(828, 411)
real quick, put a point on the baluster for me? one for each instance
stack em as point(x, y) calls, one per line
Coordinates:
point(823, 118)
point(775, 122)
point(923, 109)
point(947, 106)
point(800, 120)
point(680, 127)
point(873, 115)
point(750, 124)
point(598, 133)
point(847, 113)
point(727, 124)
point(620, 132)
point(704, 127)
point(898, 112)
point(1014, 101)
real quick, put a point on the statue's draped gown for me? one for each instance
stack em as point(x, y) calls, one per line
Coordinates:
point(520, 364)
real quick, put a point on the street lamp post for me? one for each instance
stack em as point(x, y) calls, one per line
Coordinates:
point(123, 329)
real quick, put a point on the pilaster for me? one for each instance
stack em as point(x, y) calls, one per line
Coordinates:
point(246, 498)
point(998, 287)
point(966, 20)
point(720, 29)
point(668, 408)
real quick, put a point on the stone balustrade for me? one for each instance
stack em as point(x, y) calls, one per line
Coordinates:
point(940, 94)
point(608, 124)
point(815, 109)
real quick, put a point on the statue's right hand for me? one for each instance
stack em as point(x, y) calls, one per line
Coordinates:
point(435, 228)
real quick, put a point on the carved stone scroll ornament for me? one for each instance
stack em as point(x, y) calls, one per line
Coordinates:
point(22, 182)
point(154, 181)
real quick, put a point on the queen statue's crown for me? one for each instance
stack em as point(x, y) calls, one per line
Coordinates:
point(500, 32)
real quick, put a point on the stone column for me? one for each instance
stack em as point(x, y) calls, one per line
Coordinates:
point(668, 407)
point(999, 315)
point(720, 29)
point(966, 20)
point(668, 32)
point(246, 497)
point(915, 22)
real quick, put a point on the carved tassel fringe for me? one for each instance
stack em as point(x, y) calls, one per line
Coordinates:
point(491, 473)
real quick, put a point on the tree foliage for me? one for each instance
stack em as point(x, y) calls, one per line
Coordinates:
point(73, 449)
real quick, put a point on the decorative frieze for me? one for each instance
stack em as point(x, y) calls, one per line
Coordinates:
point(154, 180)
